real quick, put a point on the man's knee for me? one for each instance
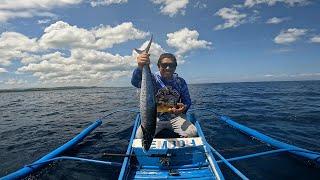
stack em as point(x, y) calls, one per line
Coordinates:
point(192, 131)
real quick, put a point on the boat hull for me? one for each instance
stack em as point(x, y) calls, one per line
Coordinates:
point(170, 158)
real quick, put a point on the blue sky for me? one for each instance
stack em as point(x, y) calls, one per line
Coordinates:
point(90, 42)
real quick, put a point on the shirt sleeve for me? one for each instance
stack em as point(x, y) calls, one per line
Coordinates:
point(185, 96)
point(136, 77)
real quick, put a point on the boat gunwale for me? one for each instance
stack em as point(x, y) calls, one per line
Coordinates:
point(125, 169)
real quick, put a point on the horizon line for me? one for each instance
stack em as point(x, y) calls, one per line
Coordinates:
point(84, 87)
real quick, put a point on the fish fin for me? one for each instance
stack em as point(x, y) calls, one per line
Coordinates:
point(147, 48)
point(138, 51)
point(149, 44)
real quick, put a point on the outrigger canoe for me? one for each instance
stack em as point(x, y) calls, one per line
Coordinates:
point(170, 157)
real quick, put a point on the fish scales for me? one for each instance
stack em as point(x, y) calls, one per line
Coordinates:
point(148, 107)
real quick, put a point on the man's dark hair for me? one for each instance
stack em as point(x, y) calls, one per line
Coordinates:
point(167, 55)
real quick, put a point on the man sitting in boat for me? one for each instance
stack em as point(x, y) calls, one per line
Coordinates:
point(172, 95)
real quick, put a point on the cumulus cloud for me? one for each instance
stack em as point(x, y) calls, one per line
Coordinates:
point(251, 3)
point(276, 20)
point(232, 18)
point(26, 9)
point(67, 55)
point(10, 9)
point(82, 66)
point(17, 41)
point(2, 70)
point(63, 35)
point(14, 83)
point(107, 36)
point(6, 15)
point(172, 7)
point(15, 45)
point(315, 39)
point(200, 5)
point(95, 3)
point(35, 4)
point(289, 35)
point(186, 40)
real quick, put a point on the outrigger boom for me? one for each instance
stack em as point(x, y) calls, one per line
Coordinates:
point(161, 161)
point(313, 157)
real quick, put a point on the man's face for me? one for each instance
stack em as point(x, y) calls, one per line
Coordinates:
point(167, 68)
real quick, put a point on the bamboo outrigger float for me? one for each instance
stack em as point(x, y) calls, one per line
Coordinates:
point(174, 158)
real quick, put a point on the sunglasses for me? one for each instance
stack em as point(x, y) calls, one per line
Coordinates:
point(170, 65)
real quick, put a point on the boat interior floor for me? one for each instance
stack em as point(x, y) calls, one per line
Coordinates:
point(166, 133)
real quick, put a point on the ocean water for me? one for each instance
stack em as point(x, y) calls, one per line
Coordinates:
point(32, 123)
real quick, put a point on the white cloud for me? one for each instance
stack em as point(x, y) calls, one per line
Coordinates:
point(297, 75)
point(107, 36)
point(83, 66)
point(15, 82)
point(315, 39)
point(2, 70)
point(35, 4)
point(172, 7)
point(26, 9)
point(63, 35)
point(44, 21)
point(276, 20)
point(251, 3)
point(289, 35)
point(6, 15)
point(95, 3)
point(17, 41)
point(67, 55)
point(15, 45)
point(186, 40)
point(232, 18)
point(200, 5)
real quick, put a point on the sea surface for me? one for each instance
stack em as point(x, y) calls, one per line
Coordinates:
point(34, 122)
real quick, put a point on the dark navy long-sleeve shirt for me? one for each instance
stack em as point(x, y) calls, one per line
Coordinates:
point(177, 86)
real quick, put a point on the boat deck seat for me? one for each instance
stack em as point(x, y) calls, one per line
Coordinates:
point(166, 133)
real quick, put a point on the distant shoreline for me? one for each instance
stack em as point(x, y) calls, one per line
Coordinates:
point(89, 87)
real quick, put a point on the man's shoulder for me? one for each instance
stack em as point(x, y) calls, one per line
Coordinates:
point(180, 80)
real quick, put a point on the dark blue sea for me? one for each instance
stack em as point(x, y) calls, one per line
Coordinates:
point(34, 122)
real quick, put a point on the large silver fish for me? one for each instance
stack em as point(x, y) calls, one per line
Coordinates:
point(148, 106)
